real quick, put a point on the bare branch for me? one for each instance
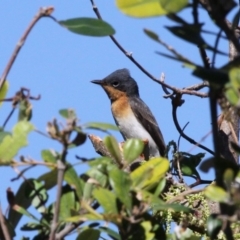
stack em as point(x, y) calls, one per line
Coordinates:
point(41, 13)
point(61, 169)
point(4, 226)
point(129, 55)
point(176, 102)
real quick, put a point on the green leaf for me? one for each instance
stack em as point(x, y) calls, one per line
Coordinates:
point(106, 199)
point(31, 226)
point(215, 76)
point(38, 194)
point(97, 175)
point(173, 6)
point(110, 232)
point(88, 26)
point(74, 181)
point(192, 34)
point(49, 156)
point(10, 145)
point(67, 113)
point(22, 200)
point(112, 146)
point(216, 194)
point(147, 226)
point(101, 126)
point(142, 8)
point(84, 217)
point(160, 187)
point(149, 173)
point(3, 135)
point(121, 184)
point(89, 233)
point(24, 212)
point(3, 91)
point(49, 179)
point(25, 110)
point(67, 202)
point(214, 225)
point(87, 191)
point(232, 88)
point(132, 148)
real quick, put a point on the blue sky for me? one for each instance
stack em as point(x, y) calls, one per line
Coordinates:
point(59, 65)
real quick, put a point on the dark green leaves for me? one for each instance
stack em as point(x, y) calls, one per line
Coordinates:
point(88, 26)
point(214, 225)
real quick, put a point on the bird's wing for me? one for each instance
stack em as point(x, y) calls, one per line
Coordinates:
point(146, 118)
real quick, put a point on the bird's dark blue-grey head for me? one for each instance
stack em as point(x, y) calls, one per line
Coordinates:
point(120, 80)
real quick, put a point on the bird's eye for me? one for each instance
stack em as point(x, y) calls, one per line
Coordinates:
point(115, 84)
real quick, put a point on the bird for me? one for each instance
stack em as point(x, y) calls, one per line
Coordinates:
point(132, 116)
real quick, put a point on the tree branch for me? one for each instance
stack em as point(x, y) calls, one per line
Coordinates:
point(4, 228)
point(129, 55)
point(41, 13)
point(61, 168)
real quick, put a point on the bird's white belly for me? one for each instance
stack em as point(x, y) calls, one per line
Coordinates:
point(131, 128)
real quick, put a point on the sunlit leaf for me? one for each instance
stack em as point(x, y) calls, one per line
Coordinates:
point(161, 185)
point(3, 91)
point(38, 194)
point(147, 226)
point(88, 26)
point(142, 8)
point(107, 200)
point(49, 156)
point(3, 135)
point(101, 126)
point(149, 173)
point(67, 202)
point(216, 194)
point(232, 88)
point(173, 6)
point(98, 176)
point(11, 144)
point(121, 184)
point(112, 146)
point(132, 148)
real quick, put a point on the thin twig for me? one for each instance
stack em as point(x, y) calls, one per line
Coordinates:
point(8, 117)
point(215, 47)
point(129, 55)
point(4, 228)
point(181, 135)
point(61, 169)
point(174, 114)
point(41, 13)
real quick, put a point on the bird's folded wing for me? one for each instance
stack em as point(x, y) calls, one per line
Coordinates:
point(148, 121)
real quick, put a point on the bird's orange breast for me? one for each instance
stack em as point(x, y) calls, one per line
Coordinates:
point(121, 107)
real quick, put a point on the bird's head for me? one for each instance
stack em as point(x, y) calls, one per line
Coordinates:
point(119, 83)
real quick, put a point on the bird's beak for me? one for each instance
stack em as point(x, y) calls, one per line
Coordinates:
point(99, 82)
